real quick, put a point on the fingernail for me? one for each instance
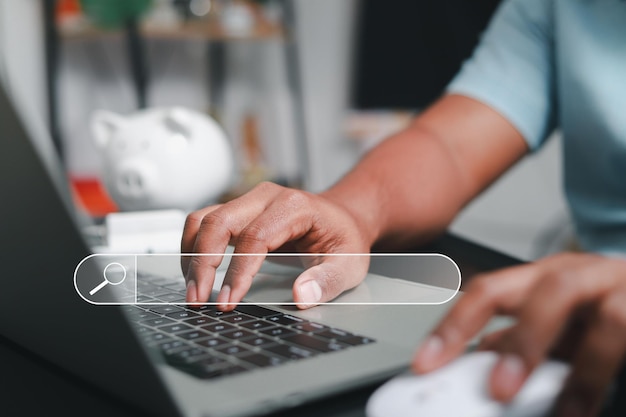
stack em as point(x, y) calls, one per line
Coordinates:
point(428, 352)
point(509, 375)
point(223, 297)
point(192, 292)
point(310, 292)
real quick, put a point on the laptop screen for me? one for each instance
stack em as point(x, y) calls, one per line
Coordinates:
point(41, 247)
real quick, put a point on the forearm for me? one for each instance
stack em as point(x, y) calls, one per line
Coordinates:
point(411, 186)
point(407, 188)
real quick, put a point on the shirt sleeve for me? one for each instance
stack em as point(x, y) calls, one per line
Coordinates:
point(512, 68)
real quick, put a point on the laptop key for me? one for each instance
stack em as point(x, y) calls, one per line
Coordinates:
point(158, 321)
point(332, 334)
point(277, 332)
point(291, 352)
point(257, 325)
point(217, 313)
point(171, 345)
point(175, 328)
point(285, 319)
point(355, 340)
point(144, 299)
point(164, 309)
point(142, 330)
point(155, 337)
point(155, 280)
point(188, 355)
point(199, 321)
point(172, 298)
point(145, 286)
point(193, 335)
point(211, 342)
point(201, 308)
point(153, 292)
point(176, 286)
point(256, 311)
point(233, 349)
point(238, 334)
point(259, 341)
point(219, 327)
point(182, 314)
point(155, 344)
point(262, 360)
point(310, 342)
point(237, 319)
point(309, 327)
point(145, 315)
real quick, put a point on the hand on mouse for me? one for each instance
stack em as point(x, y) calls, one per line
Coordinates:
point(265, 220)
point(570, 304)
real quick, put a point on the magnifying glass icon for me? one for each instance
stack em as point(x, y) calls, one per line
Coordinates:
point(114, 274)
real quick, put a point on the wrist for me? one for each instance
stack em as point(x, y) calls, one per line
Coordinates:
point(364, 210)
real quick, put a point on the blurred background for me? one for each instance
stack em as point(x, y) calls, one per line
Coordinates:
point(302, 88)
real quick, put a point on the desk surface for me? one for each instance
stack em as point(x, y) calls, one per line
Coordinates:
point(30, 386)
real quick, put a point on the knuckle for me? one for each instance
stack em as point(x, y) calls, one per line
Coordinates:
point(253, 235)
point(482, 286)
point(214, 227)
point(199, 262)
point(564, 257)
point(193, 219)
point(560, 280)
point(294, 198)
point(242, 270)
point(567, 258)
point(559, 283)
point(195, 262)
point(613, 311)
point(265, 186)
point(235, 273)
point(214, 220)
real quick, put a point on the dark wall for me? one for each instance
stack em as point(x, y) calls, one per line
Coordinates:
point(408, 50)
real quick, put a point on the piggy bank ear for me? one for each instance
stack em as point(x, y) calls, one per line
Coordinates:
point(104, 124)
point(178, 121)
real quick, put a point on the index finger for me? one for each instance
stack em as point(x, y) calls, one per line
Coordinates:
point(190, 231)
point(498, 292)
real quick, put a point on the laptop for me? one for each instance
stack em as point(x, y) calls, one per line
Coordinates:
point(124, 348)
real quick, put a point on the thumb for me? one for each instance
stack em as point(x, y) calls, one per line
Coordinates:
point(326, 281)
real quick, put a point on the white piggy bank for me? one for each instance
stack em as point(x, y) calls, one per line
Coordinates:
point(163, 158)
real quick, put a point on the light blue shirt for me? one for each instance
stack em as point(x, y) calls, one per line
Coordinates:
point(546, 64)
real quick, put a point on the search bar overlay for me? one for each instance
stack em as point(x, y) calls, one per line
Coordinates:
point(157, 279)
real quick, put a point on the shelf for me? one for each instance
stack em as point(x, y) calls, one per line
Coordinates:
point(192, 30)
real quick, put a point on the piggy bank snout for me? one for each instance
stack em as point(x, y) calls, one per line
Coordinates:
point(135, 179)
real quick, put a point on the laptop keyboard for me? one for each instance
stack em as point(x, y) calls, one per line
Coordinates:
point(208, 343)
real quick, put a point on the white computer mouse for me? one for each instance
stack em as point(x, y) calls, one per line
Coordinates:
point(460, 389)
